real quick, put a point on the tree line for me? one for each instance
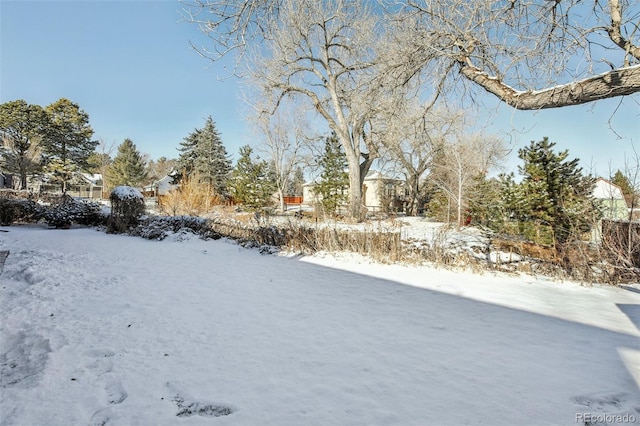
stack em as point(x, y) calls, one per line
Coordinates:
point(446, 172)
point(373, 72)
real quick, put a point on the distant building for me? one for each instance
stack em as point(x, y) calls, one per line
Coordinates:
point(611, 198)
point(613, 204)
point(379, 192)
point(160, 187)
point(82, 185)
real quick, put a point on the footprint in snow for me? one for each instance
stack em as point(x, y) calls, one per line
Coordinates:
point(102, 362)
point(105, 416)
point(115, 392)
point(188, 406)
point(23, 359)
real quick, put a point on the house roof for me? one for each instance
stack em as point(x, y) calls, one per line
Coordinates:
point(92, 178)
point(371, 175)
point(607, 190)
point(163, 185)
point(376, 174)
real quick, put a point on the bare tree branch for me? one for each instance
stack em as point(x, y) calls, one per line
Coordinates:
point(621, 82)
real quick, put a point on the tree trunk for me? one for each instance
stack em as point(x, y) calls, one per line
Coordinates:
point(23, 179)
point(459, 204)
point(281, 199)
point(355, 192)
point(412, 207)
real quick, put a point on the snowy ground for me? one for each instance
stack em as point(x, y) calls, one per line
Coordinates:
point(106, 329)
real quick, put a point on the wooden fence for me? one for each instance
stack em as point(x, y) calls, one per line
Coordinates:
point(293, 200)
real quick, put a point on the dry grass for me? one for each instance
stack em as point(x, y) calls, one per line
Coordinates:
point(191, 199)
point(582, 261)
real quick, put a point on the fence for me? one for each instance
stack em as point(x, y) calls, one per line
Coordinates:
point(293, 200)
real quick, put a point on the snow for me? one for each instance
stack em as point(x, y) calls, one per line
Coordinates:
point(118, 330)
point(124, 192)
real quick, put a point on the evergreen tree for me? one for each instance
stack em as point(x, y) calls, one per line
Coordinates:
point(68, 145)
point(334, 178)
point(251, 181)
point(558, 195)
point(98, 161)
point(202, 154)
point(22, 127)
point(485, 206)
point(211, 161)
point(629, 193)
point(185, 164)
point(128, 167)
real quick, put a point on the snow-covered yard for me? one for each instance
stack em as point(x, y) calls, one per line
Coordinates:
point(108, 329)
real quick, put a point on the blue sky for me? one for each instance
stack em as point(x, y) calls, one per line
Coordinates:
point(129, 65)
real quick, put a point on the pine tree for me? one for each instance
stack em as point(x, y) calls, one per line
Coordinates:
point(185, 164)
point(211, 161)
point(558, 195)
point(485, 206)
point(202, 154)
point(22, 127)
point(68, 145)
point(251, 181)
point(334, 179)
point(622, 181)
point(128, 167)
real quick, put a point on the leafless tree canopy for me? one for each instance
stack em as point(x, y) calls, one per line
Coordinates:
point(325, 54)
point(531, 54)
point(283, 136)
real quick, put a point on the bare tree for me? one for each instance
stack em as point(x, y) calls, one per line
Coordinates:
point(412, 140)
point(531, 54)
point(462, 158)
point(283, 136)
point(102, 160)
point(323, 52)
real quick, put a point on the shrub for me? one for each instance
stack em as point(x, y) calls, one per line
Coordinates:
point(7, 211)
point(159, 227)
point(69, 210)
point(127, 205)
point(192, 198)
point(17, 209)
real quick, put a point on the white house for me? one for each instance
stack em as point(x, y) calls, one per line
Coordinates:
point(83, 185)
point(612, 200)
point(614, 206)
point(160, 187)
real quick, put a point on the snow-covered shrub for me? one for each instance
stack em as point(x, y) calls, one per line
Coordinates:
point(127, 206)
point(159, 227)
point(7, 211)
point(18, 209)
point(70, 210)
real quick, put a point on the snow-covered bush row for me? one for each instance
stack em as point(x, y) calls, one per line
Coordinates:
point(159, 227)
point(71, 210)
point(19, 210)
point(60, 213)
